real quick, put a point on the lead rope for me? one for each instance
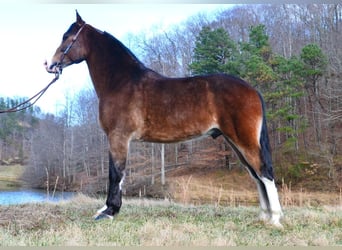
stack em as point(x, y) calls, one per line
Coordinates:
point(36, 97)
point(22, 106)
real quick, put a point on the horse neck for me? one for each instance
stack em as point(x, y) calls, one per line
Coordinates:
point(110, 63)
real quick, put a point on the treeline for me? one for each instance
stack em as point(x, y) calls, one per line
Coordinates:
point(16, 130)
point(291, 53)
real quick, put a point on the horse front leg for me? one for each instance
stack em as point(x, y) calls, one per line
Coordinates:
point(117, 164)
point(114, 195)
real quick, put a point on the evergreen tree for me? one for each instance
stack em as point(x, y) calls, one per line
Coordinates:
point(279, 80)
point(14, 128)
point(314, 65)
point(215, 52)
point(284, 98)
point(255, 59)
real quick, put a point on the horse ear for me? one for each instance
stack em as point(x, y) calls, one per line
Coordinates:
point(79, 19)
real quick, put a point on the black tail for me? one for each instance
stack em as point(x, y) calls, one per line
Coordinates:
point(266, 168)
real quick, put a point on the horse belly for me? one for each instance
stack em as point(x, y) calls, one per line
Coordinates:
point(167, 136)
point(177, 123)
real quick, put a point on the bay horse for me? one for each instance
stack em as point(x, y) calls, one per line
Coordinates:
point(137, 103)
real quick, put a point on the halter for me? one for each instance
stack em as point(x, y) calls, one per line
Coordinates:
point(59, 64)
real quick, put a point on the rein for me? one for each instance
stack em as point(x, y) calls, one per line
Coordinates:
point(26, 104)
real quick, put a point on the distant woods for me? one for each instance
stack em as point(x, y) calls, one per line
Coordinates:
point(291, 53)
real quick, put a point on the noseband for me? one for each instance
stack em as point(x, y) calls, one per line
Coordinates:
point(59, 64)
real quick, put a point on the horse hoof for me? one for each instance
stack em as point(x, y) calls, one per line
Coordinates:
point(264, 216)
point(276, 224)
point(103, 216)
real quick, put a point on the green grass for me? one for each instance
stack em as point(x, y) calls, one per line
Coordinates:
point(146, 223)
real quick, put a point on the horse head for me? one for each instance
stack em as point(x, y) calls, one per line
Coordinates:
point(71, 50)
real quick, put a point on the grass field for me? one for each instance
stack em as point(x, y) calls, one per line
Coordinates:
point(161, 223)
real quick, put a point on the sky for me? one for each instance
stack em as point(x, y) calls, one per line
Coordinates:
point(30, 34)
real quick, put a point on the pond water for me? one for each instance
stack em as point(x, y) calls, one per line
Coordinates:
point(11, 197)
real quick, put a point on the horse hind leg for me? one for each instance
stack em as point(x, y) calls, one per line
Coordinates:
point(268, 194)
point(267, 177)
point(269, 201)
point(274, 204)
point(263, 197)
point(254, 151)
point(265, 214)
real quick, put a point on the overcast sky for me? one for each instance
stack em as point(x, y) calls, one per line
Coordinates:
point(30, 33)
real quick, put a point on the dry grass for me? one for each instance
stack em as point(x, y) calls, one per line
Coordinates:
point(9, 176)
point(241, 191)
point(163, 223)
point(190, 190)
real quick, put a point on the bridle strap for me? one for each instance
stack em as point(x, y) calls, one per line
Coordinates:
point(59, 65)
point(73, 40)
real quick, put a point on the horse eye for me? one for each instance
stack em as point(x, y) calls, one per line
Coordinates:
point(65, 37)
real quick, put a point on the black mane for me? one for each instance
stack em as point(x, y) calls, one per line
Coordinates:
point(123, 47)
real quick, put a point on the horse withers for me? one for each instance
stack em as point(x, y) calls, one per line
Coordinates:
point(137, 103)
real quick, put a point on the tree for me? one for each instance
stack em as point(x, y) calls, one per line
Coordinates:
point(215, 52)
point(278, 78)
point(258, 42)
point(15, 130)
point(315, 63)
point(255, 58)
point(284, 99)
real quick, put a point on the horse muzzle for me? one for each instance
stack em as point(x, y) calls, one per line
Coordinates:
point(54, 68)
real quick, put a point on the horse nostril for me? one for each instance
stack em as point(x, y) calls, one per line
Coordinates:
point(52, 66)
